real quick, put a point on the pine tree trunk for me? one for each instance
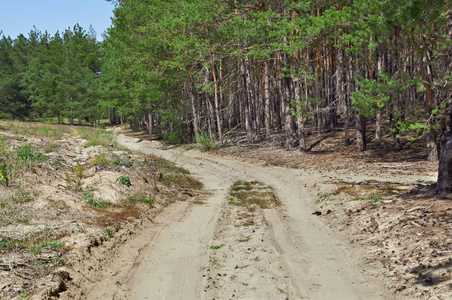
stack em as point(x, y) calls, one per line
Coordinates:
point(267, 119)
point(361, 143)
point(444, 182)
point(248, 94)
point(300, 122)
point(217, 105)
point(378, 125)
point(150, 124)
point(426, 74)
point(193, 108)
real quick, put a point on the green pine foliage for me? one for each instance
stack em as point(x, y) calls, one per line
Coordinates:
point(187, 62)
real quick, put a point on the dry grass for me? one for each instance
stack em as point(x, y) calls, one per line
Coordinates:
point(248, 193)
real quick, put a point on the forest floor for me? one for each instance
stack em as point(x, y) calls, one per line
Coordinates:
point(270, 223)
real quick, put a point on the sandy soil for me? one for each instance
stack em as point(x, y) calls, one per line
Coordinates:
point(346, 225)
point(212, 250)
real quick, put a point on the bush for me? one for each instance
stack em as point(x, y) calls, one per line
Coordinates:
point(4, 177)
point(206, 140)
point(124, 179)
point(174, 137)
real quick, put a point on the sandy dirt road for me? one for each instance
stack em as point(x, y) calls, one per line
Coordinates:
point(304, 257)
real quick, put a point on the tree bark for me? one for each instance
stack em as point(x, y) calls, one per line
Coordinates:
point(247, 102)
point(267, 119)
point(444, 182)
point(361, 143)
point(150, 124)
point(217, 105)
point(193, 107)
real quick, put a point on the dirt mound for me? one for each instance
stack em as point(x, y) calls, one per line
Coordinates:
point(66, 205)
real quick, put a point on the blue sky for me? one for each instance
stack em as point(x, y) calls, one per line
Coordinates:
point(19, 16)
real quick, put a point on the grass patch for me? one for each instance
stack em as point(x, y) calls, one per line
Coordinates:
point(29, 155)
point(93, 201)
point(247, 193)
point(95, 136)
point(113, 160)
point(12, 209)
point(148, 202)
point(34, 242)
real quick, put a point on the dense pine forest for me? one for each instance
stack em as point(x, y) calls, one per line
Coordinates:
point(180, 68)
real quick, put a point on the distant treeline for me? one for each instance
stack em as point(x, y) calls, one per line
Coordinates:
point(261, 66)
point(43, 76)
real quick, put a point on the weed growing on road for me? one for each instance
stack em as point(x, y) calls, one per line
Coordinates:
point(247, 193)
point(323, 197)
point(210, 264)
point(216, 247)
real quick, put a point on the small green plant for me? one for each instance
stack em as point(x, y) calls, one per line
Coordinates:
point(148, 202)
point(124, 179)
point(4, 175)
point(93, 201)
point(35, 249)
point(210, 264)
point(22, 196)
point(55, 244)
point(216, 247)
point(375, 200)
point(207, 141)
point(232, 201)
point(60, 260)
point(79, 170)
point(323, 197)
point(25, 295)
point(73, 185)
point(109, 233)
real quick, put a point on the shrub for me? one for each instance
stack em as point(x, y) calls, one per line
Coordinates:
point(4, 176)
point(174, 138)
point(206, 140)
point(124, 179)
